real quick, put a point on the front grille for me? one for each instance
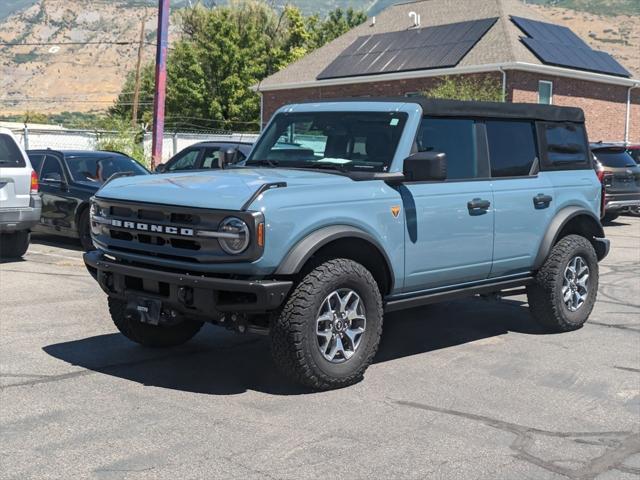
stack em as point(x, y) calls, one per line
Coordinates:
point(167, 232)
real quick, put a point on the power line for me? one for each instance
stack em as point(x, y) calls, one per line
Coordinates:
point(46, 44)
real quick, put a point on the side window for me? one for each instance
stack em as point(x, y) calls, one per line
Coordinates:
point(187, 161)
point(545, 92)
point(51, 170)
point(564, 145)
point(512, 147)
point(36, 162)
point(455, 137)
point(211, 158)
point(10, 154)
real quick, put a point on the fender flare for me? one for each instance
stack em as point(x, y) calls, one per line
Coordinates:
point(558, 222)
point(309, 245)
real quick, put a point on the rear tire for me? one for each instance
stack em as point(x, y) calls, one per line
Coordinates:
point(15, 244)
point(329, 329)
point(155, 336)
point(610, 217)
point(566, 286)
point(84, 231)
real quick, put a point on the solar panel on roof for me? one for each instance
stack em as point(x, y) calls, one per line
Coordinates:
point(416, 49)
point(557, 45)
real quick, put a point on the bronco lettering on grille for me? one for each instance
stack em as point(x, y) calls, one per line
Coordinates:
point(148, 227)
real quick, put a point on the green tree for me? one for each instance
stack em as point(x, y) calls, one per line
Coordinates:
point(485, 88)
point(337, 23)
point(221, 54)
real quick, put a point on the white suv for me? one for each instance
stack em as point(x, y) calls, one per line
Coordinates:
point(20, 203)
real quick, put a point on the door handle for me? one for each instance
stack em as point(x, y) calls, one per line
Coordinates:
point(541, 200)
point(478, 204)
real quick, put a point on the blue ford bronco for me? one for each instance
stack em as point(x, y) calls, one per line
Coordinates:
point(345, 210)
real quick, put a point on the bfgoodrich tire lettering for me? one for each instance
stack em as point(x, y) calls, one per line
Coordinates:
point(548, 303)
point(150, 335)
point(294, 335)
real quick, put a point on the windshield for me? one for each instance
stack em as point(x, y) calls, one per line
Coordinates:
point(99, 168)
point(349, 141)
point(614, 158)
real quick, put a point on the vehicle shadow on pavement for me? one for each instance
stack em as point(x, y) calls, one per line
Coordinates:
point(56, 241)
point(217, 362)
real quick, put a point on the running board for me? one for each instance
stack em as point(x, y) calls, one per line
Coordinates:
point(435, 297)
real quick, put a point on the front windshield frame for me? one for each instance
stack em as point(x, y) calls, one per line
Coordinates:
point(92, 175)
point(349, 144)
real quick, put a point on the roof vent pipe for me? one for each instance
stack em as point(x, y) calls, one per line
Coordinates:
point(416, 19)
point(373, 21)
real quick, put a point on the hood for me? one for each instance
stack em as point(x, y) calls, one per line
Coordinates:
point(218, 189)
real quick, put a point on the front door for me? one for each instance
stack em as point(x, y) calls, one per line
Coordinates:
point(449, 237)
point(57, 209)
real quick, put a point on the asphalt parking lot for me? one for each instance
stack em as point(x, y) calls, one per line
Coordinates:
point(462, 390)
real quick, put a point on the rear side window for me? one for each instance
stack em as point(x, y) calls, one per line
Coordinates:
point(564, 145)
point(51, 171)
point(512, 147)
point(614, 158)
point(186, 161)
point(10, 154)
point(455, 137)
point(36, 161)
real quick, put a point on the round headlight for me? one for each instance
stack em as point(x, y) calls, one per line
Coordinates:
point(234, 238)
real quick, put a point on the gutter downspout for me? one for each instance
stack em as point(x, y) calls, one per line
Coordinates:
point(504, 84)
point(261, 109)
point(627, 122)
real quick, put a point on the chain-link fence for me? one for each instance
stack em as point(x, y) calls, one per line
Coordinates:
point(173, 142)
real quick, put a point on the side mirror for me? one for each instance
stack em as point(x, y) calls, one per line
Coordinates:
point(425, 166)
point(160, 168)
point(227, 157)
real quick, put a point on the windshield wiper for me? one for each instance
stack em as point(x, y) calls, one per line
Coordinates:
point(325, 166)
point(263, 163)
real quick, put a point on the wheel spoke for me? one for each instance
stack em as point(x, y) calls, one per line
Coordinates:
point(353, 334)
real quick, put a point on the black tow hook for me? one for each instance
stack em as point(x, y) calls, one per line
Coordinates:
point(185, 295)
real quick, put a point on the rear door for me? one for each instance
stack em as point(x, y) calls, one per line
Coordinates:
point(449, 238)
point(524, 203)
point(15, 174)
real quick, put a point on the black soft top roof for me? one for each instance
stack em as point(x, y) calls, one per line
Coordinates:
point(457, 108)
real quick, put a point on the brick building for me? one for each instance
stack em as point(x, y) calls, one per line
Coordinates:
point(531, 65)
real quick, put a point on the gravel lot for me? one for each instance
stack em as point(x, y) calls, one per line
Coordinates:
point(462, 390)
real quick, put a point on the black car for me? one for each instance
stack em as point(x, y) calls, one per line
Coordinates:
point(68, 179)
point(205, 155)
point(620, 176)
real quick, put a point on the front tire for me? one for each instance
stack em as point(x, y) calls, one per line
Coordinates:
point(84, 231)
point(565, 288)
point(155, 336)
point(329, 329)
point(15, 244)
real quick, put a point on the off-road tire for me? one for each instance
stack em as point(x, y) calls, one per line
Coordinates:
point(84, 231)
point(545, 294)
point(160, 336)
point(15, 244)
point(610, 217)
point(293, 332)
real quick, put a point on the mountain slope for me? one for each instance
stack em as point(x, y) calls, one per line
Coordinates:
point(87, 77)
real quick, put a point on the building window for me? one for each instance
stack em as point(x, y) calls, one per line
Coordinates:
point(545, 92)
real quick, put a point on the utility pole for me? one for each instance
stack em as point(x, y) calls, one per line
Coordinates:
point(136, 90)
point(161, 82)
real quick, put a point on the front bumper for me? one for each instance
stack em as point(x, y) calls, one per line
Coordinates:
point(21, 218)
point(603, 245)
point(188, 294)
